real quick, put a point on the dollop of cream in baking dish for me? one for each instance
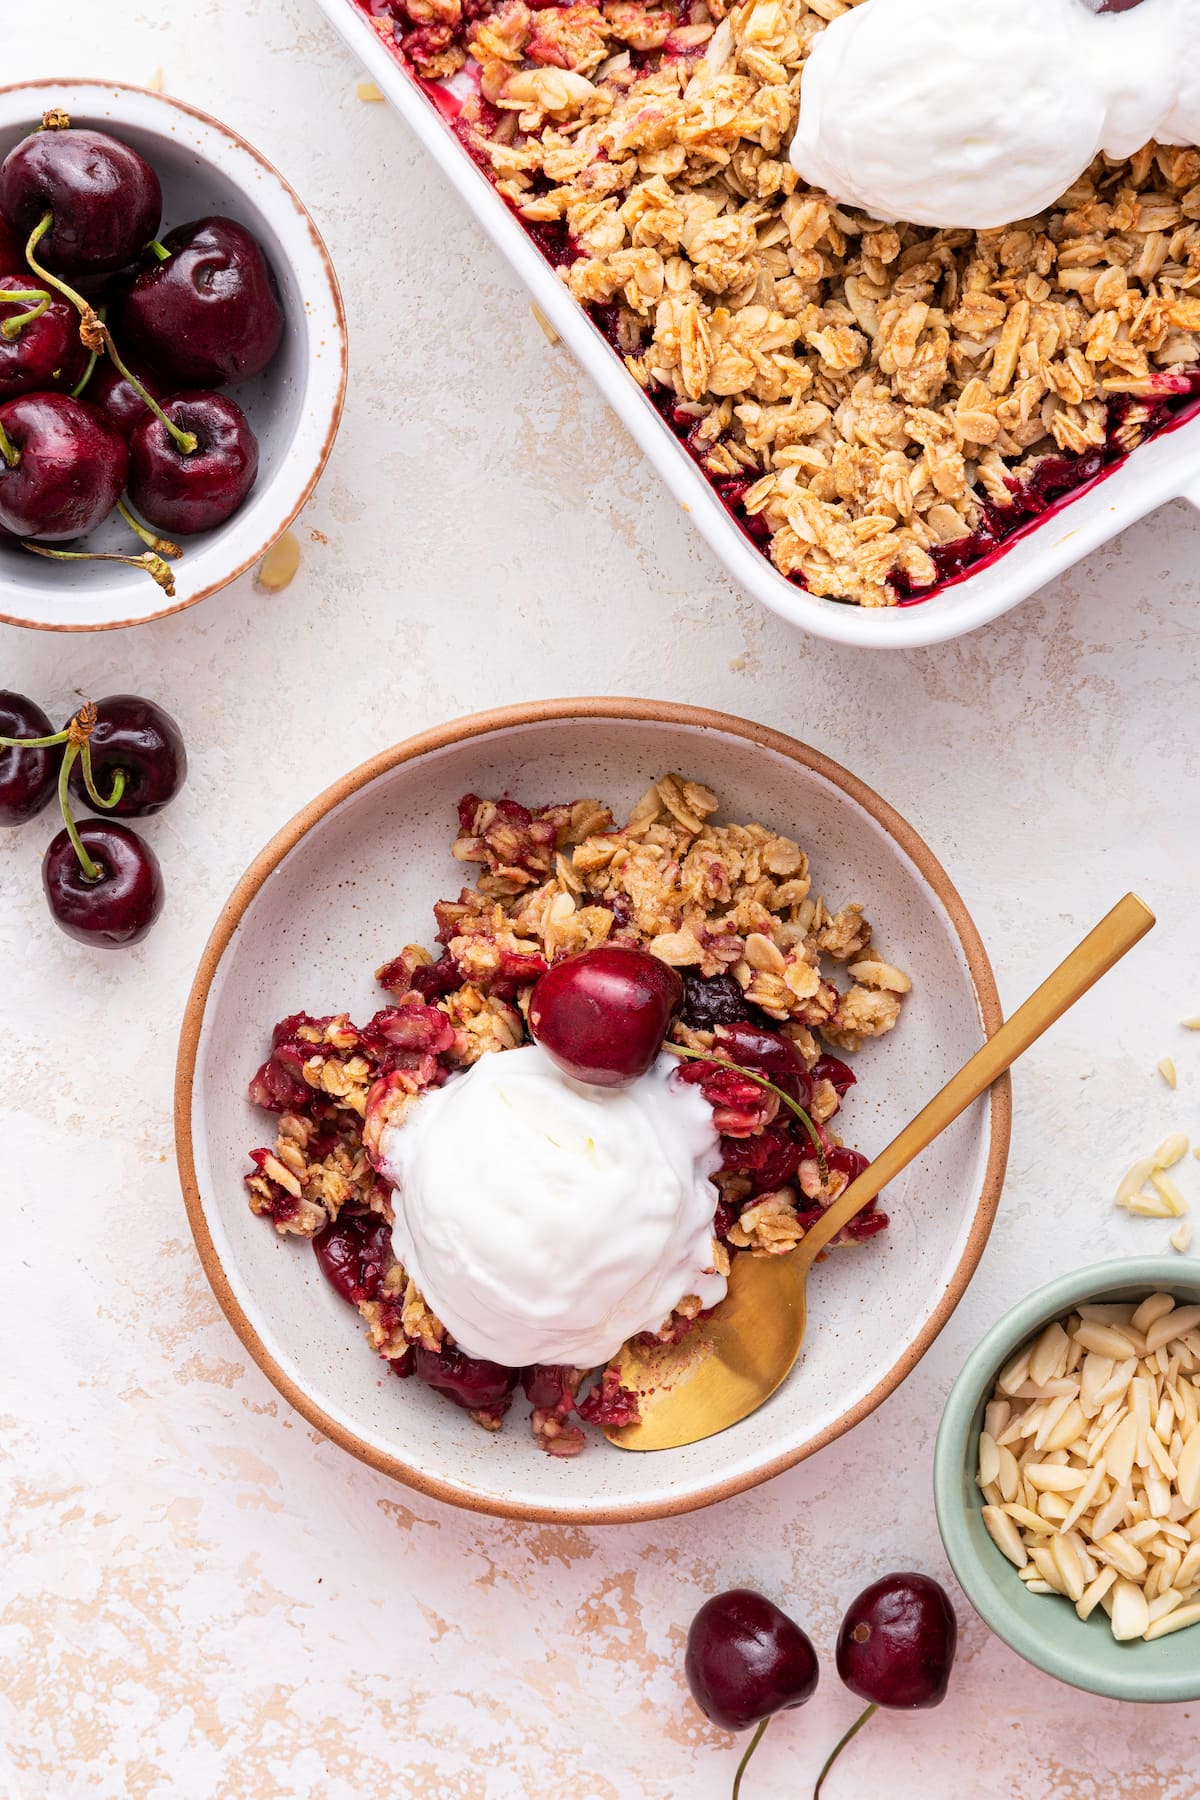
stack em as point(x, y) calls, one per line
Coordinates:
point(980, 113)
point(545, 1220)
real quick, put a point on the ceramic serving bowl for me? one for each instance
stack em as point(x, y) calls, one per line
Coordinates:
point(354, 876)
point(1042, 1628)
point(294, 407)
point(1165, 469)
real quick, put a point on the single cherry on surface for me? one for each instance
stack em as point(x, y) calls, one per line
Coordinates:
point(895, 1649)
point(27, 777)
point(39, 339)
point(209, 312)
point(602, 1016)
point(897, 1642)
point(139, 741)
point(118, 900)
point(183, 492)
point(62, 467)
point(105, 199)
point(747, 1660)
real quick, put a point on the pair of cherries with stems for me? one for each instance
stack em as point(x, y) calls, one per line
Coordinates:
point(747, 1660)
point(79, 212)
point(123, 757)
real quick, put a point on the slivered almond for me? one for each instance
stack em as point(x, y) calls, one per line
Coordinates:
point(1173, 1149)
point(1168, 1190)
point(989, 1459)
point(1094, 1592)
point(1004, 1534)
point(1105, 1340)
point(1179, 1620)
point(1154, 1305)
point(1130, 1613)
point(1175, 1324)
point(1187, 1477)
point(1181, 1239)
point(1131, 1181)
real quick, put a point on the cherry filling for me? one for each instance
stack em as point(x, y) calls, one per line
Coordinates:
point(469, 1381)
point(354, 1254)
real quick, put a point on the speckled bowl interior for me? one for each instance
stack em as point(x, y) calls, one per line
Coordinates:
point(1043, 1628)
point(354, 877)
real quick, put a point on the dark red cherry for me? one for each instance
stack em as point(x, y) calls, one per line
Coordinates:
point(747, 1660)
point(143, 741)
point(105, 198)
point(769, 1052)
point(1117, 6)
point(121, 903)
point(712, 1000)
point(71, 466)
point(12, 252)
point(355, 1253)
point(208, 315)
point(897, 1642)
point(27, 777)
point(109, 392)
point(469, 1381)
point(840, 1075)
point(602, 1016)
point(546, 1385)
point(183, 493)
point(46, 351)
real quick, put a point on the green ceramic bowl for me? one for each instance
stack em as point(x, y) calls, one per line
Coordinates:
point(1042, 1628)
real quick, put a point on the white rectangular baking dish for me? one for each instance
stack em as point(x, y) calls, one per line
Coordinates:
point(1166, 468)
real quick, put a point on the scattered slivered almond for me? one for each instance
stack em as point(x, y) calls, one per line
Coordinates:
point(369, 90)
point(1089, 1461)
point(1191, 1024)
point(278, 567)
point(1181, 1238)
point(1166, 1068)
point(544, 325)
point(1173, 1149)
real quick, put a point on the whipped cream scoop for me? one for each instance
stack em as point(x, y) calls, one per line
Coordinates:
point(979, 113)
point(545, 1220)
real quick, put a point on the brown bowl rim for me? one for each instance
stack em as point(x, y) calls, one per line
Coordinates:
point(462, 730)
point(206, 118)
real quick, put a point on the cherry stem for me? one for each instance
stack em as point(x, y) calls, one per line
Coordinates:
point(93, 359)
point(42, 743)
point(96, 336)
point(8, 450)
point(164, 546)
point(721, 1062)
point(160, 250)
point(841, 1744)
point(751, 1747)
point(38, 299)
point(153, 564)
point(91, 870)
point(89, 782)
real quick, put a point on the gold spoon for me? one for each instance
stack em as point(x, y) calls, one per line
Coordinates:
point(738, 1358)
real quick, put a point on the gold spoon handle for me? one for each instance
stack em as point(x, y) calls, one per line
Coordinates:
point(1116, 933)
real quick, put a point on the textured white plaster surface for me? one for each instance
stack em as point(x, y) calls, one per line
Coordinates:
point(201, 1600)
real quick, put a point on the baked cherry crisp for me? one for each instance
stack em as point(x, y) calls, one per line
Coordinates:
point(773, 980)
point(880, 406)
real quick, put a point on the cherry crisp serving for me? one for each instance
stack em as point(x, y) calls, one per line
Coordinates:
point(880, 406)
point(731, 907)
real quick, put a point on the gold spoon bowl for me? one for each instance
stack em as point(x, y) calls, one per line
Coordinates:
point(734, 1362)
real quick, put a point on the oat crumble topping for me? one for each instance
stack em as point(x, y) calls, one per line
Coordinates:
point(879, 404)
point(730, 905)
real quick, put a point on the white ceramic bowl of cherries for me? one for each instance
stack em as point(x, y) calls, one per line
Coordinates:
point(167, 394)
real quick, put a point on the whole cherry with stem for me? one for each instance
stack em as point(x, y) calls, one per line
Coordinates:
point(204, 307)
point(62, 467)
point(28, 761)
point(191, 490)
point(895, 1649)
point(136, 746)
point(746, 1660)
point(102, 199)
point(39, 340)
